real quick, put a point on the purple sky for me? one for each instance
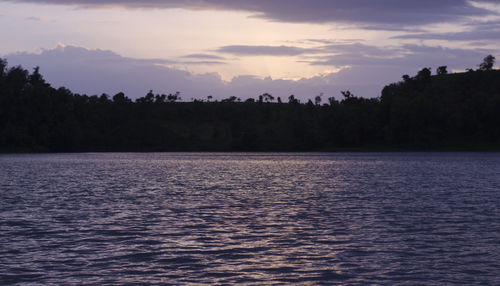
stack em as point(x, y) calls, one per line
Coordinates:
point(244, 48)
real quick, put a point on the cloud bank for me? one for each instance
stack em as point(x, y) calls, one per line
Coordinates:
point(314, 11)
point(243, 50)
point(99, 71)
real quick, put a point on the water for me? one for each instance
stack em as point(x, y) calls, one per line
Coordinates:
point(114, 219)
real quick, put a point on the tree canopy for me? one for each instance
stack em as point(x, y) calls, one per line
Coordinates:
point(450, 111)
point(488, 63)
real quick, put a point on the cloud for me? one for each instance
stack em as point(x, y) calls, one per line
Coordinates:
point(390, 28)
point(365, 71)
point(321, 41)
point(205, 63)
point(325, 46)
point(409, 55)
point(362, 49)
point(355, 54)
point(242, 50)
point(99, 71)
point(201, 59)
point(474, 35)
point(203, 56)
point(315, 11)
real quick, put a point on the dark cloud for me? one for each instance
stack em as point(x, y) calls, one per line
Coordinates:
point(473, 30)
point(242, 50)
point(412, 57)
point(475, 35)
point(390, 28)
point(314, 11)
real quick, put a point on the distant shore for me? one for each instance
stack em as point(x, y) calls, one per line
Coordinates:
point(442, 112)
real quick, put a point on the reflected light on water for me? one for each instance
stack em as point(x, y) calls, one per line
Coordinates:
point(237, 218)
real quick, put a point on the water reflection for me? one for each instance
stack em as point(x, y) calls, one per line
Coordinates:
point(249, 218)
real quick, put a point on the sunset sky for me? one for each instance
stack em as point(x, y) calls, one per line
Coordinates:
point(244, 48)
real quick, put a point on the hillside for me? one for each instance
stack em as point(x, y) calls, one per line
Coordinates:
point(458, 111)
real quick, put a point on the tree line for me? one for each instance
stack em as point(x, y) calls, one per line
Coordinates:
point(445, 111)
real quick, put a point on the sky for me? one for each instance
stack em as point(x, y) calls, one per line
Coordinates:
point(244, 48)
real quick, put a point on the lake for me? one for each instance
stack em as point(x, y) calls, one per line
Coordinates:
point(250, 218)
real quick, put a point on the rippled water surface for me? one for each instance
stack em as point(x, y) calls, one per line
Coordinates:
point(237, 218)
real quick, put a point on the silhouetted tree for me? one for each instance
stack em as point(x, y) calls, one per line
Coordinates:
point(332, 101)
point(160, 98)
point(267, 97)
point(148, 98)
point(347, 94)
point(442, 70)
point(423, 74)
point(174, 97)
point(292, 99)
point(488, 63)
point(317, 99)
point(17, 78)
point(3, 67)
point(104, 98)
point(231, 99)
point(120, 98)
point(36, 78)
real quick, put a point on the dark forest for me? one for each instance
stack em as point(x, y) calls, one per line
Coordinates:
point(426, 112)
